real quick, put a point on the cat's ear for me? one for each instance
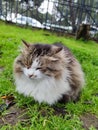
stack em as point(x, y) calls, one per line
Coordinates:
point(26, 45)
point(58, 52)
point(56, 49)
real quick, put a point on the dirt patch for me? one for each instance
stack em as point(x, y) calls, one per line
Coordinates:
point(15, 115)
point(54, 110)
point(89, 120)
point(60, 111)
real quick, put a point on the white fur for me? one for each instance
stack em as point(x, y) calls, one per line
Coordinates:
point(46, 89)
point(42, 88)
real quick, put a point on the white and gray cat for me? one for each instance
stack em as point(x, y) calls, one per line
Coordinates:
point(48, 73)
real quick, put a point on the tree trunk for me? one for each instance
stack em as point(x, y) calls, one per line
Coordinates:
point(83, 32)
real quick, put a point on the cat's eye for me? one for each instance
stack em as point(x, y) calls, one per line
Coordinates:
point(50, 69)
point(20, 62)
point(38, 68)
point(28, 67)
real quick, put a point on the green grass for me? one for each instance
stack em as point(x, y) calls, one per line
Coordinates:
point(86, 53)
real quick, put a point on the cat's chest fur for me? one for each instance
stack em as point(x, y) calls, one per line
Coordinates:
point(47, 90)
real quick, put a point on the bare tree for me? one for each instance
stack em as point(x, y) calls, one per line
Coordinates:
point(72, 15)
point(36, 2)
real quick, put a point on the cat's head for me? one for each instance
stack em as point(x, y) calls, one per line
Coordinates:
point(40, 61)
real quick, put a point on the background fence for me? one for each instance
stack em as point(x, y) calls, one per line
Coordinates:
point(59, 15)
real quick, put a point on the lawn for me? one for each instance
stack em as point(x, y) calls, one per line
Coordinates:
point(28, 114)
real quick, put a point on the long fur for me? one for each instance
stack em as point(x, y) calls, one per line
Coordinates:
point(48, 73)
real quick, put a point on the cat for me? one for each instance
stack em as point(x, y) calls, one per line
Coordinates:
point(48, 73)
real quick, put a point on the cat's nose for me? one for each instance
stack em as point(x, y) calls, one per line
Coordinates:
point(32, 76)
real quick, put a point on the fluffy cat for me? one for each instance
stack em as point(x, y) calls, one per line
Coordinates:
point(48, 73)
